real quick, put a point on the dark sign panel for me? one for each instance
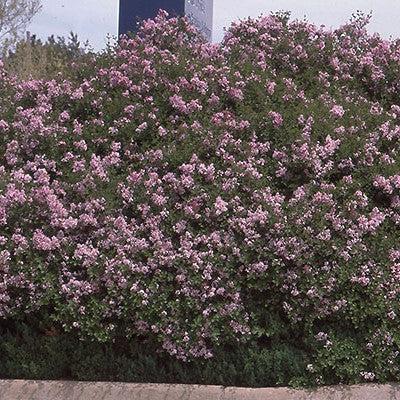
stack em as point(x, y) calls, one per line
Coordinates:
point(133, 11)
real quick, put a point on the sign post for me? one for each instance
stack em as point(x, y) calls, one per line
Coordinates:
point(200, 13)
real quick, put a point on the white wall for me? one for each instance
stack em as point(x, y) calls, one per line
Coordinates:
point(90, 19)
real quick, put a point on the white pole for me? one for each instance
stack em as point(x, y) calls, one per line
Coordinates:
point(201, 13)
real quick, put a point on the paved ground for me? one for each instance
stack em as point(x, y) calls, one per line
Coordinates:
point(31, 390)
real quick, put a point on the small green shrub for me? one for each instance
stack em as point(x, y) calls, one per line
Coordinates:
point(33, 58)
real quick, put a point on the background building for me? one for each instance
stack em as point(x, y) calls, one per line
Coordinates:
point(94, 19)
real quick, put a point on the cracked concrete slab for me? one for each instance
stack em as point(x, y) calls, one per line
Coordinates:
point(49, 390)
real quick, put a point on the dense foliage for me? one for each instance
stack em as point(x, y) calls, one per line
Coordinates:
point(33, 58)
point(27, 353)
point(202, 196)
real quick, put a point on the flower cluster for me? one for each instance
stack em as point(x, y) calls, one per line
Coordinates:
point(200, 195)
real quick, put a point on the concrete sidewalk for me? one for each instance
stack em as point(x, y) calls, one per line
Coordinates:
point(41, 390)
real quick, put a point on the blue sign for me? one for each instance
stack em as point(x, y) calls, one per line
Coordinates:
point(133, 11)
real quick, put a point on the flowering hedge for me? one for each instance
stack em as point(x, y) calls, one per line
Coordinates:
point(204, 195)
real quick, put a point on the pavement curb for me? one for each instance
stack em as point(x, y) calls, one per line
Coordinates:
point(60, 390)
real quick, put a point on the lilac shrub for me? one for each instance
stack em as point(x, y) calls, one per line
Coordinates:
point(204, 195)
